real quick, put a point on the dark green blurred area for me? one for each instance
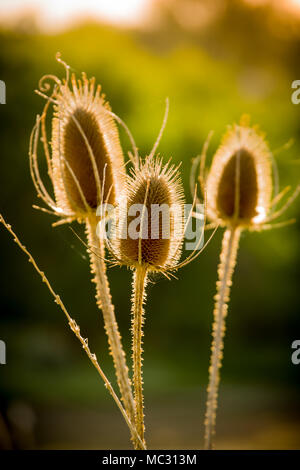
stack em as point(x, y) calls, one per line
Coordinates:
point(244, 63)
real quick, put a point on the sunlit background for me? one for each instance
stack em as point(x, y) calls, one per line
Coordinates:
point(215, 60)
point(58, 14)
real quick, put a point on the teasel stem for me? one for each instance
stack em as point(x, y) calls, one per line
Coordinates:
point(104, 302)
point(75, 328)
point(226, 267)
point(138, 298)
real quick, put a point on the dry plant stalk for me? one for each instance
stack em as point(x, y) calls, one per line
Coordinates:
point(239, 187)
point(86, 168)
point(151, 184)
point(138, 298)
point(225, 270)
point(75, 328)
point(98, 268)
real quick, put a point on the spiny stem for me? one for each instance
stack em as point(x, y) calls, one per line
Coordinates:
point(104, 302)
point(138, 297)
point(76, 330)
point(226, 267)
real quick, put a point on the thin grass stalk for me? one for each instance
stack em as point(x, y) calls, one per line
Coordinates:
point(104, 302)
point(76, 330)
point(226, 267)
point(138, 297)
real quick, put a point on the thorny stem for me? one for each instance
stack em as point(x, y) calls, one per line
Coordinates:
point(76, 330)
point(226, 267)
point(138, 297)
point(104, 302)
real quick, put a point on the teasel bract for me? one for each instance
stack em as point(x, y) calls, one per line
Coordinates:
point(155, 247)
point(86, 169)
point(240, 196)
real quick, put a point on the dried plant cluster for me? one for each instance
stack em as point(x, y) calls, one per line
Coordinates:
point(86, 167)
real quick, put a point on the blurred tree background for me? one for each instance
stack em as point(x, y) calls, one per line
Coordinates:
point(215, 61)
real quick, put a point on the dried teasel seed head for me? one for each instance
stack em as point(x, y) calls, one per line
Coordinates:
point(239, 183)
point(86, 165)
point(155, 207)
point(87, 156)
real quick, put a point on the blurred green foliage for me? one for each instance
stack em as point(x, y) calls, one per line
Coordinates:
point(211, 79)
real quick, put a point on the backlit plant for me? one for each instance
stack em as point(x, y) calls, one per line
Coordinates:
point(240, 197)
point(85, 164)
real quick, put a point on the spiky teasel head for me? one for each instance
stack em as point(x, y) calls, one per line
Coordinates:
point(86, 164)
point(145, 237)
point(240, 182)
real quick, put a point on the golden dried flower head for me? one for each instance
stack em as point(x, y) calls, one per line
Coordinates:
point(151, 227)
point(239, 184)
point(86, 164)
